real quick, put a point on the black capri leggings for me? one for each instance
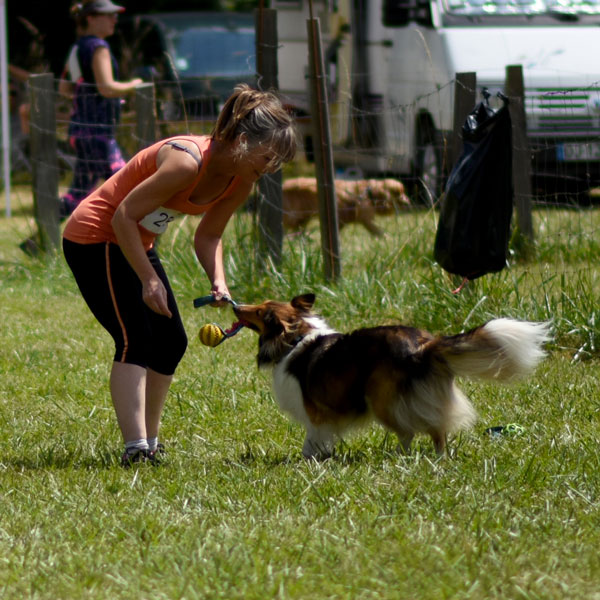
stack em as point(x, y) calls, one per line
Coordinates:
point(113, 292)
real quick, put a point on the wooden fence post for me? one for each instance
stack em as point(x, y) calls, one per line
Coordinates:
point(44, 160)
point(521, 161)
point(270, 207)
point(323, 153)
point(465, 96)
point(145, 108)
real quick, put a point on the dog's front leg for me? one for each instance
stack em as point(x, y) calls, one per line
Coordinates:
point(439, 441)
point(318, 443)
point(405, 440)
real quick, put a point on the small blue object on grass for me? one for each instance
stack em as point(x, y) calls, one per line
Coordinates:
point(510, 429)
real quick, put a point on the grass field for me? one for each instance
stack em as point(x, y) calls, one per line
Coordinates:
point(235, 512)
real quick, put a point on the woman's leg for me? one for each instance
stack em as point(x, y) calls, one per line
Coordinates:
point(157, 387)
point(128, 392)
point(98, 157)
point(84, 179)
point(114, 157)
point(167, 349)
point(148, 346)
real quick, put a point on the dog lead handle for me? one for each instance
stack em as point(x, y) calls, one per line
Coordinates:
point(204, 300)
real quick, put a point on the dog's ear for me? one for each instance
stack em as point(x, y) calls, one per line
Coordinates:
point(304, 302)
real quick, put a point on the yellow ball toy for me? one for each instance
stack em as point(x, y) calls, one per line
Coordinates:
point(210, 334)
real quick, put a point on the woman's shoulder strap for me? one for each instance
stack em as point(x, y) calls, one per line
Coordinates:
point(183, 148)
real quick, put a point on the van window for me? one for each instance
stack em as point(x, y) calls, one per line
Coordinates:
point(523, 7)
point(488, 7)
point(398, 13)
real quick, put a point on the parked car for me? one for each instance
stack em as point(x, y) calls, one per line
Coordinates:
point(195, 58)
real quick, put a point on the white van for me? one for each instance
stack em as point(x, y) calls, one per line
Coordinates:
point(392, 77)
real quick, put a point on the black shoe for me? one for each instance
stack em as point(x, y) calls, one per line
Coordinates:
point(155, 454)
point(137, 455)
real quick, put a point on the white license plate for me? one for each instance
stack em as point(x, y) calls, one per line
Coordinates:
point(572, 152)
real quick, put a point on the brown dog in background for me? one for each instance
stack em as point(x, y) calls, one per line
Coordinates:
point(357, 201)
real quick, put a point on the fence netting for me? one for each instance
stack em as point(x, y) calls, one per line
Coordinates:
point(565, 172)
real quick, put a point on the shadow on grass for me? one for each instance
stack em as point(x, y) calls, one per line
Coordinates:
point(251, 457)
point(50, 459)
point(343, 454)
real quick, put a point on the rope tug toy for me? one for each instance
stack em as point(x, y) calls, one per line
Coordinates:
point(212, 334)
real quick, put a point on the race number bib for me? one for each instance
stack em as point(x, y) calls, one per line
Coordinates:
point(158, 220)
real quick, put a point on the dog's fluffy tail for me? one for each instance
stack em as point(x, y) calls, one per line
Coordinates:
point(502, 349)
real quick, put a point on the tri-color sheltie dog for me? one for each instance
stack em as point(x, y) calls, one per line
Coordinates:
point(400, 376)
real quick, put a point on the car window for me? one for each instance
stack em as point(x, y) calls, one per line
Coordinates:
point(215, 51)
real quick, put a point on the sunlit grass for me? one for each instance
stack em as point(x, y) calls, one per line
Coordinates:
point(235, 512)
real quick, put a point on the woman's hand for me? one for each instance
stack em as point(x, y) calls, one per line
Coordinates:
point(221, 294)
point(154, 295)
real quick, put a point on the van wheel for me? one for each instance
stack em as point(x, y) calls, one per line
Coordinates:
point(429, 170)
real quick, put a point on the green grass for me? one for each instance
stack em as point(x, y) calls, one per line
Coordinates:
point(236, 512)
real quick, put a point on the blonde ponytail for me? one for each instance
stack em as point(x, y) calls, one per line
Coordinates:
point(263, 120)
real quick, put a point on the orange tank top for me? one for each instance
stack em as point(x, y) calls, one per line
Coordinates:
point(90, 222)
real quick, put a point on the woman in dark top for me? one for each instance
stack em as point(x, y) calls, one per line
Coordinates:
point(93, 72)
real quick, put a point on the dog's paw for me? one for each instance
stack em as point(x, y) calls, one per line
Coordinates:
point(318, 450)
point(318, 456)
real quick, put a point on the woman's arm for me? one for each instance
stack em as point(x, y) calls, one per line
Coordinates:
point(176, 171)
point(208, 238)
point(66, 88)
point(18, 73)
point(103, 74)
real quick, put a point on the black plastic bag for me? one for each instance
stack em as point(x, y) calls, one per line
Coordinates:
point(474, 225)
